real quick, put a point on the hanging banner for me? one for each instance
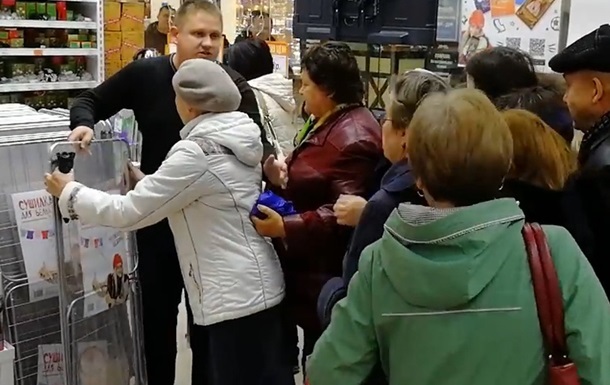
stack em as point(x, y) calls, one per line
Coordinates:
point(529, 25)
point(34, 216)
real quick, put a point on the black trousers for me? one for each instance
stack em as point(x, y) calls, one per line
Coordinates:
point(245, 351)
point(161, 286)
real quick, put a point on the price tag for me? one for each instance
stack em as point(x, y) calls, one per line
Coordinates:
point(281, 56)
point(37, 52)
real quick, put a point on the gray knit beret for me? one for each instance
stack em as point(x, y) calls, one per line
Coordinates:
point(203, 84)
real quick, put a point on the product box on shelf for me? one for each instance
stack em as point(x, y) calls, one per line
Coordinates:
point(112, 46)
point(112, 67)
point(132, 17)
point(112, 16)
point(132, 42)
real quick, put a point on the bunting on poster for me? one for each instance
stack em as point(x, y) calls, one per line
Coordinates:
point(36, 234)
point(91, 243)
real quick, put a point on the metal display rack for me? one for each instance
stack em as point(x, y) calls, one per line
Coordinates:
point(31, 318)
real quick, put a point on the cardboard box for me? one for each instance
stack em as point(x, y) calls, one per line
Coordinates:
point(112, 67)
point(112, 46)
point(131, 43)
point(52, 11)
point(21, 9)
point(112, 16)
point(132, 17)
point(30, 10)
point(133, 38)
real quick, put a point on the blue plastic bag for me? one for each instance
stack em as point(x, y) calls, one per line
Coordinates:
point(275, 203)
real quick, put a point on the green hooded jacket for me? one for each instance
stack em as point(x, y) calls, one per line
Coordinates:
point(446, 298)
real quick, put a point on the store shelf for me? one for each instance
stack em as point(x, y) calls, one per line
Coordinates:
point(49, 51)
point(60, 24)
point(40, 86)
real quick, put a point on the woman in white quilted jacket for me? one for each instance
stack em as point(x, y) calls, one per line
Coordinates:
point(274, 92)
point(206, 188)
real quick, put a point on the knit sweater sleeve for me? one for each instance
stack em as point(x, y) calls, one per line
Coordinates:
point(114, 94)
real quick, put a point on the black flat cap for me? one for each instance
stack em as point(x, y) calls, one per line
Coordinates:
point(590, 52)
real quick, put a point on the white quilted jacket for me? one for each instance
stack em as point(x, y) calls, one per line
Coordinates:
point(206, 187)
point(277, 93)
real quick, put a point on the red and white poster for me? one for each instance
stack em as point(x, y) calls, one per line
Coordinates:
point(34, 216)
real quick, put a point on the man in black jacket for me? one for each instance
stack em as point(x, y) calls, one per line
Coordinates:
point(585, 65)
point(145, 86)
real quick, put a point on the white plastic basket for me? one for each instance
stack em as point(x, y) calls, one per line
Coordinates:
point(7, 358)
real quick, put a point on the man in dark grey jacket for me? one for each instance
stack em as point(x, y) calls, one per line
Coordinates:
point(585, 65)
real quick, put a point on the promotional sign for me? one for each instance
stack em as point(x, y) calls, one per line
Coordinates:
point(441, 60)
point(529, 25)
point(34, 216)
point(104, 261)
point(51, 364)
point(281, 56)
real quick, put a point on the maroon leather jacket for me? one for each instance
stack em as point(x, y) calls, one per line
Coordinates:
point(340, 157)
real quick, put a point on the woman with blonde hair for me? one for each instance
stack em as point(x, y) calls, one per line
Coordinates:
point(542, 163)
point(445, 297)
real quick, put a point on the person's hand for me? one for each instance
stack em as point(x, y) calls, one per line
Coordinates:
point(57, 181)
point(348, 209)
point(276, 171)
point(134, 175)
point(83, 135)
point(272, 226)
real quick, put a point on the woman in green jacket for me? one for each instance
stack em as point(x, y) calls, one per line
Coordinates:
point(446, 297)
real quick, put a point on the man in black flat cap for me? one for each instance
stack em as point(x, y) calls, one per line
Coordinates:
point(585, 65)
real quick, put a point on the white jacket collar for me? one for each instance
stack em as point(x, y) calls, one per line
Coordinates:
point(186, 130)
point(233, 130)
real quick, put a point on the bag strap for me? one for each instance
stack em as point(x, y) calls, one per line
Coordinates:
point(547, 292)
point(262, 104)
point(260, 98)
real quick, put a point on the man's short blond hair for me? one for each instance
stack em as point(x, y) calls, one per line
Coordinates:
point(460, 147)
point(191, 6)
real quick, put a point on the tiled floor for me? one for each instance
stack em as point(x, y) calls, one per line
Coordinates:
point(183, 361)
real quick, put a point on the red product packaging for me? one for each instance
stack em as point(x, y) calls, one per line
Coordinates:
point(62, 10)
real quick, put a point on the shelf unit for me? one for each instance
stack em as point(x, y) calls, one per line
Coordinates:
point(57, 24)
point(92, 10)
point(48, 51)
point(47, 86)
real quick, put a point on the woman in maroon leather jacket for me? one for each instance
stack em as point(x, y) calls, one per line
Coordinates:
point(336, 153)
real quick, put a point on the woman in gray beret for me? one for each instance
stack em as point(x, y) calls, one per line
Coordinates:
point(206, 187)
